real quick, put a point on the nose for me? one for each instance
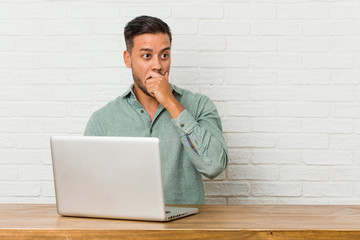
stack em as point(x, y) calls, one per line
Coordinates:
point(156, 65)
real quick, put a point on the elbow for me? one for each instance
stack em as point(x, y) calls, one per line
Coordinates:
point(216, 167)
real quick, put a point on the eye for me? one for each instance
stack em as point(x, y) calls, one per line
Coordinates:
point(146, 56)
point(165, 56)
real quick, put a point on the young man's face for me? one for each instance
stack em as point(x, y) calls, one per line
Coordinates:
point(150, 54)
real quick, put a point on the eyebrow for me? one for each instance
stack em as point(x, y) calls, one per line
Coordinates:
point(150, 50)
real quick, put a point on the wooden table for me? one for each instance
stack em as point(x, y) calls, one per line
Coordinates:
point(212, 222)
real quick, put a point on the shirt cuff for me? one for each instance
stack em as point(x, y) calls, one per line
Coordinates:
point(184, 123)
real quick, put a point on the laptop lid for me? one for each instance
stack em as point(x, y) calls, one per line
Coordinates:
point(108, 177)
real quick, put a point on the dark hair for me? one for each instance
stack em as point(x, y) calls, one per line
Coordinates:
point(142, 25)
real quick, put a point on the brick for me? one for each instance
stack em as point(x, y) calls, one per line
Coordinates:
point(157, 11)
point(276, 125)
point(345, 44)
point(198, 76)
point(108, 60)
point(39, 76)
point(251, 109)
point(220, 106)
point(48, 189)
point(278, 93)
point(346, 11)
point(19, 94)
point(328, 61)
point(250, 11)
point(7, 77)
point(250, 140)
point(327, 126)
point(329, 93)
point(8, 172)
point(276, 28)
point(346, 110)
point(68, 93)
point(261, 44)
point(226, 189)
point(240, 77)
point(216, 27)
point(238, 172)
point(345, 77)
point(112, 76)
point(215, 201)
point(6, 141)
point(356, 126)
point(184, 27)
point(42, 110)
point(66, 60)
point(6, 11)
point(70, 126)
point(345, 173)
point(276, 189)
point(19, 125)
point(328, 28)
point(96, 11)
point(237, 156)
point(7, 43)
point(276, 156)
point(83, 109)
point(303, 141)
point(328, 157)
point(236, 60)
point(19, 27)
point(303, 110)
point(327, 189)
point(15, 189)
point(304, 44)
point(276, 201)
point(304, 77)
point(276, 61)
point(110, 27)
point(189, 59)
point(196, 11)
point(225, 93)
point(19, 157)
point(231, 125)
point(7, 110)
point(344, 142)
point(19, 61)
point(304, 174)
point(211, 43)
point(35, 173)
point(108, 93)
point(40, 11)
point(66, 27)
point(303, 11)
point(32, 141)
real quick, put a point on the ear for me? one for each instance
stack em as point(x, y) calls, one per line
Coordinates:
point(127, 59)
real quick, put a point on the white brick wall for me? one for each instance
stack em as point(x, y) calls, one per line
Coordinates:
point(284, 75)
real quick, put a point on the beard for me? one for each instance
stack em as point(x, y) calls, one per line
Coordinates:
point(139, 83)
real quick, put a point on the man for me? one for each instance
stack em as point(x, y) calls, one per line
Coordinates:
point(187, 124)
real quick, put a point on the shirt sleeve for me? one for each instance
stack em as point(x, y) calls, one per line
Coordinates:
point(203, 140)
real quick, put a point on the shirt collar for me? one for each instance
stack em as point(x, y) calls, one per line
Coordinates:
point(130, 91)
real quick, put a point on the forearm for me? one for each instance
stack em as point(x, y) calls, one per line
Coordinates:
point(203, 143)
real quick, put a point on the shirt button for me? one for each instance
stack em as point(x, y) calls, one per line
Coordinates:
point(142, 111)
point(182, 125)
point(150, 130)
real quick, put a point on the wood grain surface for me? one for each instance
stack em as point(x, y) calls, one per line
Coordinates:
point(31, 221)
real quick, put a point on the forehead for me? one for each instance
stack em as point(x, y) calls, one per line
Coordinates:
point(152, 41)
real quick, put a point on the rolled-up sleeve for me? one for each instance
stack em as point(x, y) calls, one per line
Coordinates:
point(202, 139)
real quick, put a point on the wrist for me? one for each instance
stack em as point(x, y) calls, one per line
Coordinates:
point(174, 108)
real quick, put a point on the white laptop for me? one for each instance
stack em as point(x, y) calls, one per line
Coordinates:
point(110, 177)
